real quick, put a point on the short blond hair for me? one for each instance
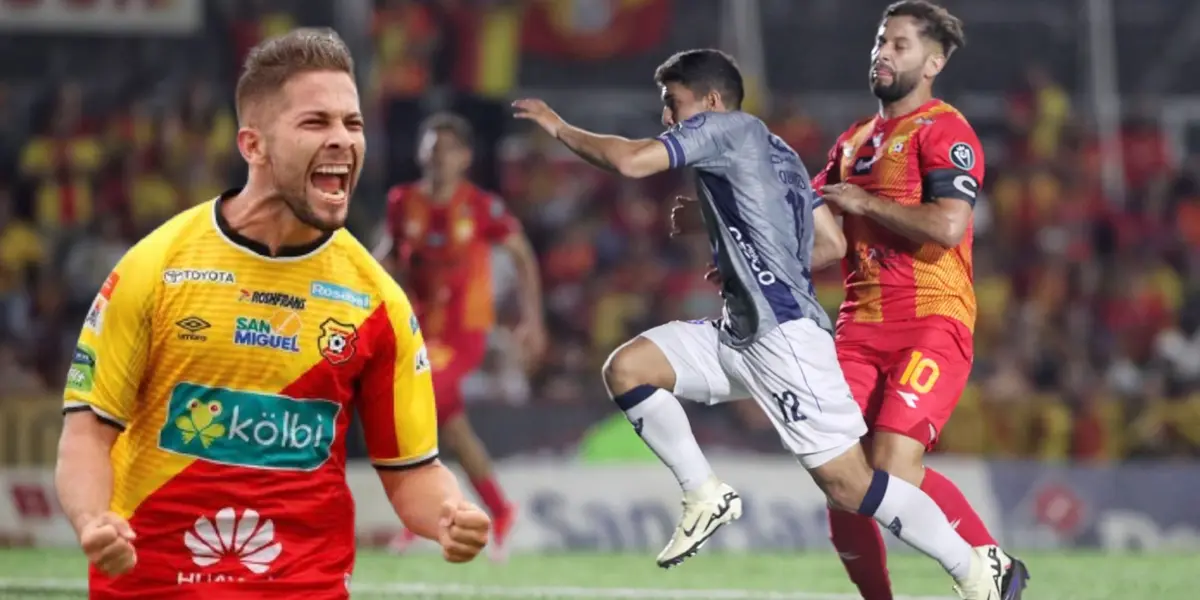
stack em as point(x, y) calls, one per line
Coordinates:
point(273, 62)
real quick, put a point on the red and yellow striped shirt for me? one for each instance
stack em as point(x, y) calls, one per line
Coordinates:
point(928, 154)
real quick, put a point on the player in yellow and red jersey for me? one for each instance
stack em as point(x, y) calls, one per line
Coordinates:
point(208, 401)
point(440, 234)
point(906, 181)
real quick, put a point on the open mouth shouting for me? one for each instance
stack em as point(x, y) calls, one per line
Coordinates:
point(333, 181)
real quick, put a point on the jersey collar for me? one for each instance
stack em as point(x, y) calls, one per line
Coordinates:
point(258, 247)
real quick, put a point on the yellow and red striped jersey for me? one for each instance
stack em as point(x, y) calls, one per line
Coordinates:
point(923, 156)
point(233, 375)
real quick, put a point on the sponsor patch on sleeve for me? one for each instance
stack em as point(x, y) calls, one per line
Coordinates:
point(83, 368)
point(421, 363)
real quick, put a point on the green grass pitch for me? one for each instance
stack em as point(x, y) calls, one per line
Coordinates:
point(43, 573)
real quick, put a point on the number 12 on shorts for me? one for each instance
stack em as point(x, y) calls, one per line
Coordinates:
point(789, 405)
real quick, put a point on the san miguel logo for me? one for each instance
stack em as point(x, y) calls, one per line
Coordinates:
point(338, 341)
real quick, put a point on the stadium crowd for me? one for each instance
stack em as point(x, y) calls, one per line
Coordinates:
point(1088, 339)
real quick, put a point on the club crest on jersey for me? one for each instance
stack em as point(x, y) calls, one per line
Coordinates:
point(696, 122)
point(280, 332)
point(962, 156)
point(338, 341)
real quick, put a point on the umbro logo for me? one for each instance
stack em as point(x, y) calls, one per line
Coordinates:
point(192, 326)
point(637, 426)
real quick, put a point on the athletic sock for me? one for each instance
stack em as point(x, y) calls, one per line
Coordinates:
point(859, 544)
point(659, 418)
point(915, 518)
point(958, 510)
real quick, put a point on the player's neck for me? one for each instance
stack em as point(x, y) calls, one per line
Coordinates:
point(440, 190)
point(263, 217)
point(905, 105)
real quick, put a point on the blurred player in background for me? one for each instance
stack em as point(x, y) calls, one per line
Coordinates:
point(906, 181)
point(774, 342)
point(441, 232)
point(203, 452)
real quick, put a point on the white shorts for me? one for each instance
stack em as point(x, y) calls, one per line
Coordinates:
point(792, 373)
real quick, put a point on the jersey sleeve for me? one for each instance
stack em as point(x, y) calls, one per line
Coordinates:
point(951, 160)
point(495, 220)
point(396, 401)
point(110, 357)
point(706, 140)
point(830, 174)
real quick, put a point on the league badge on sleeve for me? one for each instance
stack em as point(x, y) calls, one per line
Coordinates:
point(962, 156)
point(338, 341)
point(421, 361)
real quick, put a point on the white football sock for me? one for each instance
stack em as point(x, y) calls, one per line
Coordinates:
point(659, 419)
point(915, 518)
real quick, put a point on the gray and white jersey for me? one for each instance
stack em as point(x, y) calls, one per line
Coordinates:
point(758, 209)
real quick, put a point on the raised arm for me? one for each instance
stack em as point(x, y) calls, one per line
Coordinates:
point(700, 141)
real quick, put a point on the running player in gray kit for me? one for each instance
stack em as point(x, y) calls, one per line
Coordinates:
point(773, 342)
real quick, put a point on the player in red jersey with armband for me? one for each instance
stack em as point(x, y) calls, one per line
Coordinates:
point(905, 182)
point(440, 234)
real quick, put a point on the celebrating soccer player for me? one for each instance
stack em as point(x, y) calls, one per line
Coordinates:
point(207, 405)
point(906, 182)
point(774, 342)
point(440, 234)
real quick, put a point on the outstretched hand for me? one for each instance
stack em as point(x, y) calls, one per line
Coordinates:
point(533, 109)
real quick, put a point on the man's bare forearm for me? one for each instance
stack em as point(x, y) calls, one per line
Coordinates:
point(83, 475)
point(417, 496)
point(922, 223)
point(528, 275)
point(604, 151)
point(825, 256)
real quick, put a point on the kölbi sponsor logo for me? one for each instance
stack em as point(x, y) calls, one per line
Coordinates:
point(249, 429)
point(180, 276)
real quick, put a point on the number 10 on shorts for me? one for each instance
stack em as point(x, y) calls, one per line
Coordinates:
point(789, 405)
point(921, 373)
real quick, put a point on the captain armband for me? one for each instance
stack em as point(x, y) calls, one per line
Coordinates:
point(950, 183)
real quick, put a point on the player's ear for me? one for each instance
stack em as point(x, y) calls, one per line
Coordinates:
point(252, 145)
point(934, 64)
point(712, 100)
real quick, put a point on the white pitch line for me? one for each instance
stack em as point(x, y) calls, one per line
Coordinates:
point(436, 590)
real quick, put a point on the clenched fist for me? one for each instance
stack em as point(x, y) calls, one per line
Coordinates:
point(107, 541)
point(463, 531)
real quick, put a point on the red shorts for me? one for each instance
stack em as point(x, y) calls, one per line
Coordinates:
point(452, 358)
point(907, 377)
